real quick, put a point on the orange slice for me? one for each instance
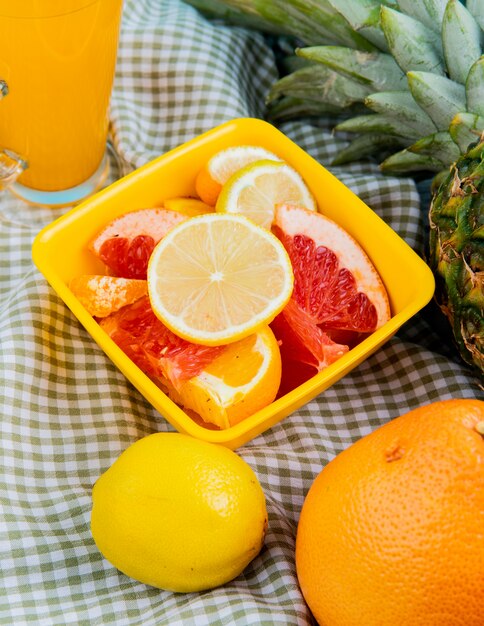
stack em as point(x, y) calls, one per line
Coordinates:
point(216, 385)
point(242, 380)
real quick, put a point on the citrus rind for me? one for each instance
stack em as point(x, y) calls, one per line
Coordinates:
point(222, 165)
point(256, 190)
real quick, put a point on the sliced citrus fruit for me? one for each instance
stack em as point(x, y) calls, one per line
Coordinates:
point(222, 165)
point(338, 295)
point(153, 347)
point(243, 379)
point(256, 190)
point(222, 385)
point(126, 243)
point(103, 295)
point(216, 278)
point(191, 207)
point(305, 348)
point(336, 283)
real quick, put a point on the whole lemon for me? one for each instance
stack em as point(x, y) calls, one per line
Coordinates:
point(178, 513)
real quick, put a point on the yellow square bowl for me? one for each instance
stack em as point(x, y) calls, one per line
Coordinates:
point(60, 251)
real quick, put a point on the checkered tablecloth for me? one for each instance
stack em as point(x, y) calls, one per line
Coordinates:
point(67, 412)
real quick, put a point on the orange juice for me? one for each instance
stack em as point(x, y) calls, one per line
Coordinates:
point(58, 60)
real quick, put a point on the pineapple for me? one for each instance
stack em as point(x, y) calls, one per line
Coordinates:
point(416, 65)
point(457, 251)
point(407, 76)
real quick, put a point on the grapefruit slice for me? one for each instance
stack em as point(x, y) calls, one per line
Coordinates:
point(125, 244)
point(222, 385)
point(155, 349)
point(338, 295)
point(335, 281)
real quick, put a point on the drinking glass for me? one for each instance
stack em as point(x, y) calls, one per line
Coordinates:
point(57, 64)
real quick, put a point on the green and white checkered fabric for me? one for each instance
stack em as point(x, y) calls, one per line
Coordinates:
point(67, 412)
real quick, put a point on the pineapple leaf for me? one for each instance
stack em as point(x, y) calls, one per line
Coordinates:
point(222, 9)
point(466, 128)
point(439, 145)
point(414, 46)
point(375, 68)
point(429, 12)
point(461, 40)
point(313, 21)
point(439, 96)
point(401, 104)
point(379, 124)
point(405, 161)
point(364, 18)
point(475, 88)
point(321, 84)
point(366, 145)
point(476, 7)
point(289, 108)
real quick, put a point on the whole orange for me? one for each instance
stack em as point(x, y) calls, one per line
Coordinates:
point(391, 532)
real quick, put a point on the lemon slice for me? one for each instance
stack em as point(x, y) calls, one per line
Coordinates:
point(216, 278)
point(242, 380)
point(220, 167)
point(256, 189)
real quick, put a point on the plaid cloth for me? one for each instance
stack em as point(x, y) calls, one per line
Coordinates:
point(67, 412)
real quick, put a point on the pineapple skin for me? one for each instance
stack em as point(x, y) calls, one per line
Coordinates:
point(456, 252)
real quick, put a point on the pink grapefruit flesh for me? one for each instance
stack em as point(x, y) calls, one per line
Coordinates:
point(125, 244)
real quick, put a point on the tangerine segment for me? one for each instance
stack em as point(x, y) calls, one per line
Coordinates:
point(256, 190)
point(223, 165)
point(217, 278)
point(126, 243)
point(102, 295)
point(243, 379)
point(336, 284)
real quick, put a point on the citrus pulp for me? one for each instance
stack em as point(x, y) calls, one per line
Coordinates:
point(217, 278)
point(102, 295)
point(241, 380)
point(222, 165)
point(126, 243)
point(153, 347)
point(256, 190)
point(338, 296)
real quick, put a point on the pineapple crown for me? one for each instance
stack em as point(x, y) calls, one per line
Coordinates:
point(407, 75)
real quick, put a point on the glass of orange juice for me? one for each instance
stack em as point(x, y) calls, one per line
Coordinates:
point(57, 63)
